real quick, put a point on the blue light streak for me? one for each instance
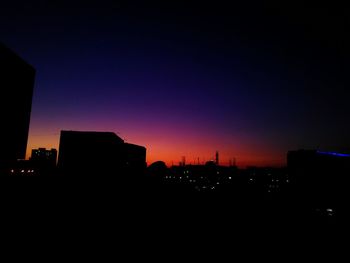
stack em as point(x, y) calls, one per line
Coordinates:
point(334, 154)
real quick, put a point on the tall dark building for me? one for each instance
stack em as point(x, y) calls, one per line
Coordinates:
point(98, 154)
point(16, 83)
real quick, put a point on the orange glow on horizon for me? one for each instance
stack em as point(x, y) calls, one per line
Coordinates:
point(172, 151)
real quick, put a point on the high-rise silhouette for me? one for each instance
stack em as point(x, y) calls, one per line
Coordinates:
point(16, 82)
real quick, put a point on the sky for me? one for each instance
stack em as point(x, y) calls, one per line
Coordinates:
point(184, 78)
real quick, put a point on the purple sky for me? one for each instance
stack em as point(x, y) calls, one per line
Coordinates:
point(186, 79)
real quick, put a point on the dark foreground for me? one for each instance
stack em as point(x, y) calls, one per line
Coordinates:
point(167, 205)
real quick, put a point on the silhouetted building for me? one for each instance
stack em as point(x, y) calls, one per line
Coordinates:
point(319, 176)
point(45, 157)
point(16, 82)
point(98, 154)
point(183, 163)
point(41, 163)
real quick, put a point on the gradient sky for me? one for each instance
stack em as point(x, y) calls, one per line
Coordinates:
point(185, 78)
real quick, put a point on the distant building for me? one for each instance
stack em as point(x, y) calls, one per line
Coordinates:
point(44, 156)
point(41, 163)
point(16, 82)
point(98, 154)
point(319, 175)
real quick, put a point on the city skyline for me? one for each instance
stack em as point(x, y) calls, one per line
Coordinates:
point(184, 80)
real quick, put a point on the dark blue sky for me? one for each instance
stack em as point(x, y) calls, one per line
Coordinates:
point(186, 78)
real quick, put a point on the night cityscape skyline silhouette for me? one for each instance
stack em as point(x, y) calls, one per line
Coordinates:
point(190, 109)
point(186, 79)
